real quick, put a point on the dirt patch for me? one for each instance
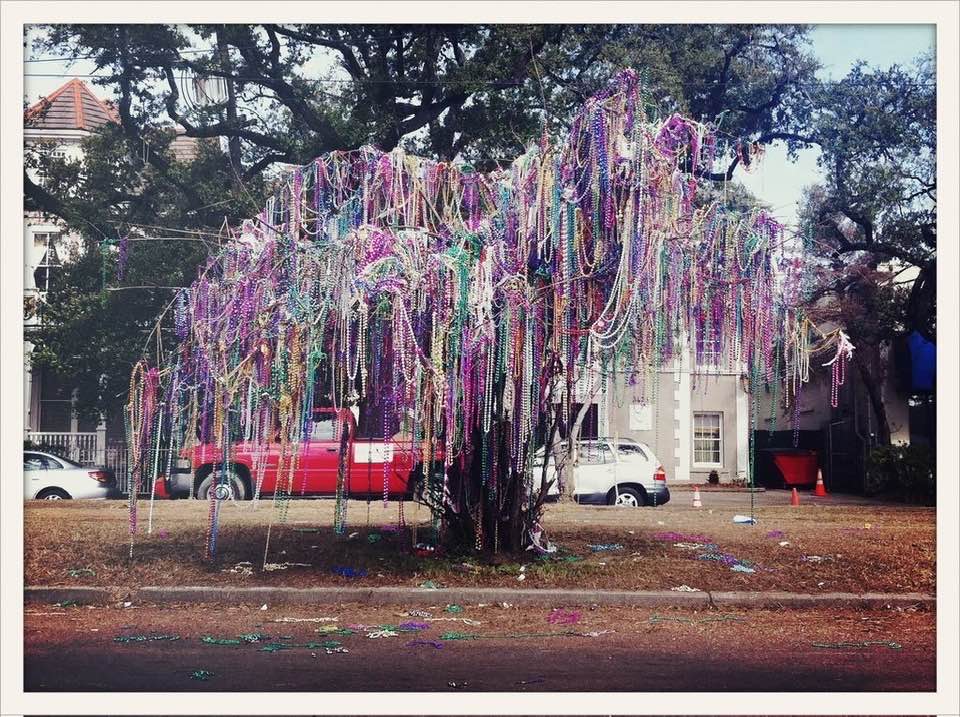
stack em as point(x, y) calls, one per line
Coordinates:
point(850, 548)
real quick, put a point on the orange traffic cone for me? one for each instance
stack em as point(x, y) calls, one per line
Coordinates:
point(696, 497)
point(820, 489)
point(794, 498)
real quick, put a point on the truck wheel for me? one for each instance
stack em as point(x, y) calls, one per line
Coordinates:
point(232, 489)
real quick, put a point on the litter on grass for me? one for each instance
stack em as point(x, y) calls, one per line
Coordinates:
point(416, 613)
point(413, 626)
point(686, 589)
point(744, 520)
point(66, 603)
point(222, 641)
point(270, 567)
point(382, 633)
point(776, 534)
point(306, 619)
point(429, 585)
point(202, 675)
point(604, 547)
point(146, 638)
point(563, 617)
point(77, 572)
point(347, 572)
point(453, 608)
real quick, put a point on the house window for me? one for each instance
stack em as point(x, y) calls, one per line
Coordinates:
point(708, 439)
point(45, 243)
point(710, 351)
point(49, 152)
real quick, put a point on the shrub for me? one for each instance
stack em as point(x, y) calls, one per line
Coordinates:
point(713, 478)
point(907, 472)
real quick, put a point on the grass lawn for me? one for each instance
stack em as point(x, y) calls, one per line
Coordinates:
point(834, 547)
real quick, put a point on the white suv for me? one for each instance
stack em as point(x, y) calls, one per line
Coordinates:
point(610, 472)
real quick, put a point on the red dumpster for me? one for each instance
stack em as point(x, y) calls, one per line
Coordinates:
point(799, 467)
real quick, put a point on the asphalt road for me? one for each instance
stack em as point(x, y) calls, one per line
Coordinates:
point(614, 649)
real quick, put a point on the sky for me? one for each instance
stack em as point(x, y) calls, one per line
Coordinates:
point(778, 181)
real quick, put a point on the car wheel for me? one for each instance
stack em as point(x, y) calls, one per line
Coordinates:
point(53, 494)
point(625, 497)
point(232, 489)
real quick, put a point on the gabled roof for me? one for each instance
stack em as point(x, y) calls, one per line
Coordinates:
point(72, 106)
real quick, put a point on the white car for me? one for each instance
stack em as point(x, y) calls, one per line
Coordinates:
point(611, 472)
point(50, 477)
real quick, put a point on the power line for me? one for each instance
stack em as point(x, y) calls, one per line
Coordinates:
point(508, 83)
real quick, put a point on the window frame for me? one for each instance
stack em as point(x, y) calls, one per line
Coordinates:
point(718, 440)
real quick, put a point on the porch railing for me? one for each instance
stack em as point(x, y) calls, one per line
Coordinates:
point(80, 447)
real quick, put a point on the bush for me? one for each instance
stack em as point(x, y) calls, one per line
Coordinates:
point(906, 472)
point(713, 478)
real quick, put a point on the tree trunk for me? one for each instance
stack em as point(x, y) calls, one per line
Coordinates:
point(872, 387)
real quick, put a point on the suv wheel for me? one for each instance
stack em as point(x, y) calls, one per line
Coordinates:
point(626, 497)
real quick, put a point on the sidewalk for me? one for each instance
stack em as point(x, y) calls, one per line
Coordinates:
point(463, 595)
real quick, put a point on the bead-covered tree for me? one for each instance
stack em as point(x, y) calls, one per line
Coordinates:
point(468, 309)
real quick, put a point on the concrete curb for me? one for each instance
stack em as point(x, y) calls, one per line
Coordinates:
point(421, 596)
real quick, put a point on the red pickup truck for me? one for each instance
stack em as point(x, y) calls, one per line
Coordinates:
point(369, 462)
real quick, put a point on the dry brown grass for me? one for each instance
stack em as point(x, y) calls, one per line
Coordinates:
point(895, 554)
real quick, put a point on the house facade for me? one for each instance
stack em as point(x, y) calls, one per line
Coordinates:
point(57, 125)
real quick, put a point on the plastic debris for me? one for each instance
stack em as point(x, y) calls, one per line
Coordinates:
point(66, 603)
point(783, 543)
point(222, 641)
point(776, 534)
point(453, 608)
point(275, 647)
point(263, 607)
point(202, 675)
point(374, 538)
point(353, 535)
point(347, 572)
point(602, 547)
point(816, 558)
point(597, 633)
point(738, 568)
point(688, 546)
point(256, 637)
point(456, 685)
point(521, 577)
point(306, 619)
point(417, 613)
point(429, 585)
point(382, 633)
point(744, 520)
point(127, 603)
point(244, 569)
point(413, 626)
point(146, 638)
point(77, 572)
point(270, 567)
point(425, 643)
point(563, 617)
point(686, 589)
point(867, 643)
point(453, 635)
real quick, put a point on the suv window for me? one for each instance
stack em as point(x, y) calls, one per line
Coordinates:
point(592, 454)
point(631, 449)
